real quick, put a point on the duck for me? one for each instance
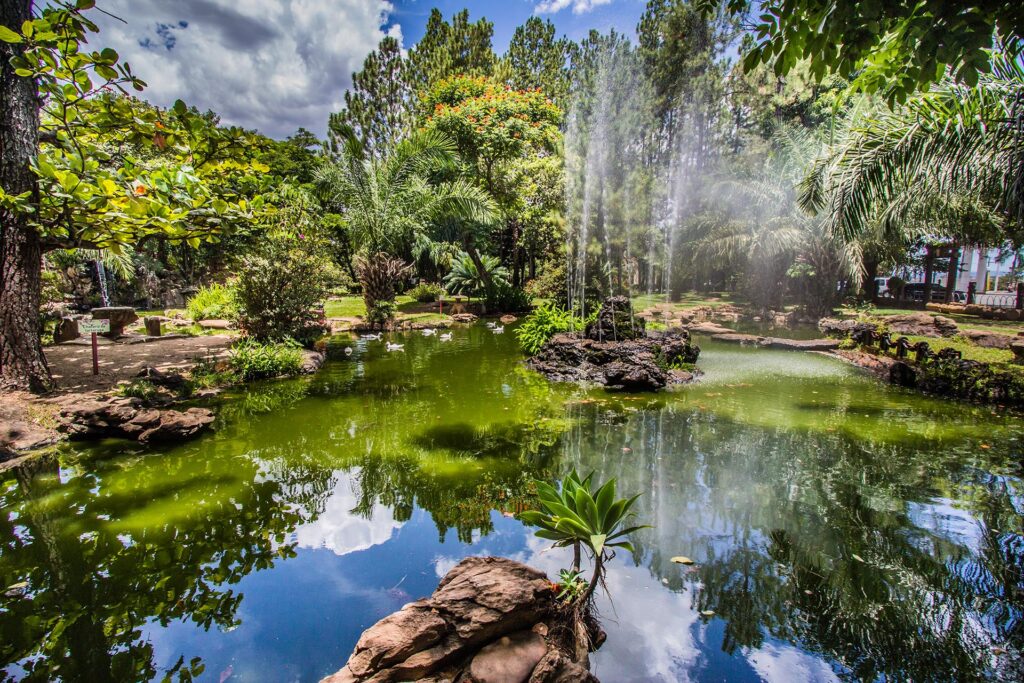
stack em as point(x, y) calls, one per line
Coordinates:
point(491, 324)
point(429, 331)
point(447, 336)
point(395, 347)
point(498, 329)
point(348, 350)
point(377, 336)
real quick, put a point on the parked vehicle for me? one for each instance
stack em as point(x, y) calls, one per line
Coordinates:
point(914, 291)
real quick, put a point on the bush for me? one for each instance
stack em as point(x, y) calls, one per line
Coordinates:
point(504, 298)
point(138, 388)
point(215, 302)
point(251, 359)
point(550, 284)
point(382, 313)
point(544, 323)
point(425, 292)
point(280, 291)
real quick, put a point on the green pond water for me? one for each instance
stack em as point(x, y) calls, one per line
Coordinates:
point(841, 529)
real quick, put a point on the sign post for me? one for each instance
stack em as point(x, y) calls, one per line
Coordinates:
point(94, 327)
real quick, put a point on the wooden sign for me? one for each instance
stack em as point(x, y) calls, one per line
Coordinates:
point(94, 326)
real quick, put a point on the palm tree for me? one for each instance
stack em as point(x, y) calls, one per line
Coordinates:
point(393, 209)
point(954, 154)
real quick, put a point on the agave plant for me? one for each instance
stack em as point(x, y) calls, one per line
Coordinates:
point(579, 515)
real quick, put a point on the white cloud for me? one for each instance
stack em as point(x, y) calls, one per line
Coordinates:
point(578, 6)
point(272, 65)
point(343, 532)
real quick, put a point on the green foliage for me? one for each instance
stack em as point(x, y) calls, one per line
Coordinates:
point(381, 313)
point(571, 586)
point(466, 278)
point(425, 292)
point(581, 514)
point(897, 47)
point(550, 283)
point(538, 60)
point(281, 288)
point(251, 359)
point(544, 322)
point(506, 298)
point(138, 388)
point(213, 302)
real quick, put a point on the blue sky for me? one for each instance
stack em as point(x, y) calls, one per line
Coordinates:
point(575, 22)
point(276, 65)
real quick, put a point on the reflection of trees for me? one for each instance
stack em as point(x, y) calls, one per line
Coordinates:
point(96, 573)
point(815, 539)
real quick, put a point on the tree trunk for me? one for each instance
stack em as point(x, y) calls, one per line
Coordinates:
point(868, 284)
point(952, 272)
point(474, 256)
point(929, 264)
point(22, 363)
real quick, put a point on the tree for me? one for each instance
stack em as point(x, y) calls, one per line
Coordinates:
point(953, 155)
point(895, 47)
point(294, 158)
point(538, 60)
point(496, 129)
point(84, 167)
point(447, 49)
point(392, 207)
point(378, 106)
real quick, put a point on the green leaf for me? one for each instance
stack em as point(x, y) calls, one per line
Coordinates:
point(9, 36)
point(597, 543)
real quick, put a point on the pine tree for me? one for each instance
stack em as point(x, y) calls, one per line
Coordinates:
point(378, 106)
point(452, 49)
point(536, 59)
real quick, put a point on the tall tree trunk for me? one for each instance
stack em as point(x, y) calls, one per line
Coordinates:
point(22, 363)
point(474, 256)
point(868, 283)
point(952, 272)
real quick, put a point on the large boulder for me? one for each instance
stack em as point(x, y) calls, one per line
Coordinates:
point(643, 364)
point(483, 624)
point(129, 418)
point(835, 327)
point(615, 322)
point(922, 325)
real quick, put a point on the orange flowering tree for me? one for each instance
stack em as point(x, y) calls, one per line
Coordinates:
point(507, 139)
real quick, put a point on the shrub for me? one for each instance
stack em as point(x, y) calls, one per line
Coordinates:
point(252, 359)
point(544, 323)
point(425, 292)
point(280, 291)
point(382, 313)
point(504, 298)
point(215, 302)
point(466, 279)
point(138, 388)
point(550, 284)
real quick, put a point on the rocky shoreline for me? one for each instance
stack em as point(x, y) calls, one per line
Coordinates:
point(491, 620)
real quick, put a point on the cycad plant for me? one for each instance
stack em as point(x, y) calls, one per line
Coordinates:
point(583, 517)
point(466, 278)
point(392, 204)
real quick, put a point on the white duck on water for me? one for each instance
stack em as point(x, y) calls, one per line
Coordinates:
point(429, 331)
point(395, 347)
point(377, 336)
point(447, 336)
point(498, 329)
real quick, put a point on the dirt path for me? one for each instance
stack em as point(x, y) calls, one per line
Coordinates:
point(71, 364)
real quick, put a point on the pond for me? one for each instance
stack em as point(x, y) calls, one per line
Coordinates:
point(841, 529)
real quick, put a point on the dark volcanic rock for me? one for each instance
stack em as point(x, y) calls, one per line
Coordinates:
point(616, 322)
point(484, 623)
point(128, 418)
point(638, 365)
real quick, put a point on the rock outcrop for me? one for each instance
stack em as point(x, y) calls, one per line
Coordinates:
point(835, 327)
point(617, 353)
point(130, 418)
point(485, 623)
point(922, 325)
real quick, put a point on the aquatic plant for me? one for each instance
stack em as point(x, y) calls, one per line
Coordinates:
point(584, 517)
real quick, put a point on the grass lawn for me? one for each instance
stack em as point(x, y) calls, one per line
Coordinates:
point(345, 307)
point(408, 309)
point(686, 300)
point(965, 322)
point(967, 349)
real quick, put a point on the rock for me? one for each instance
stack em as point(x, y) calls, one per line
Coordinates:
point(903, 375)
point(1017, 346)
point(557, 668)
point(708, 328)
point(989, 340)
point(922, 325)
point(834, 327)
point(615, 322)
point(464, 318)
point(153, 326)
point(119, 317)
point(314, 360)
point(128, 418)
point(65, 331)
point(214, 324)
point(481, 625)
point(802, 344)
point(172, 298)
point(507, 318)
point(169, 380)
point(637, 365)
point(510, 659)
